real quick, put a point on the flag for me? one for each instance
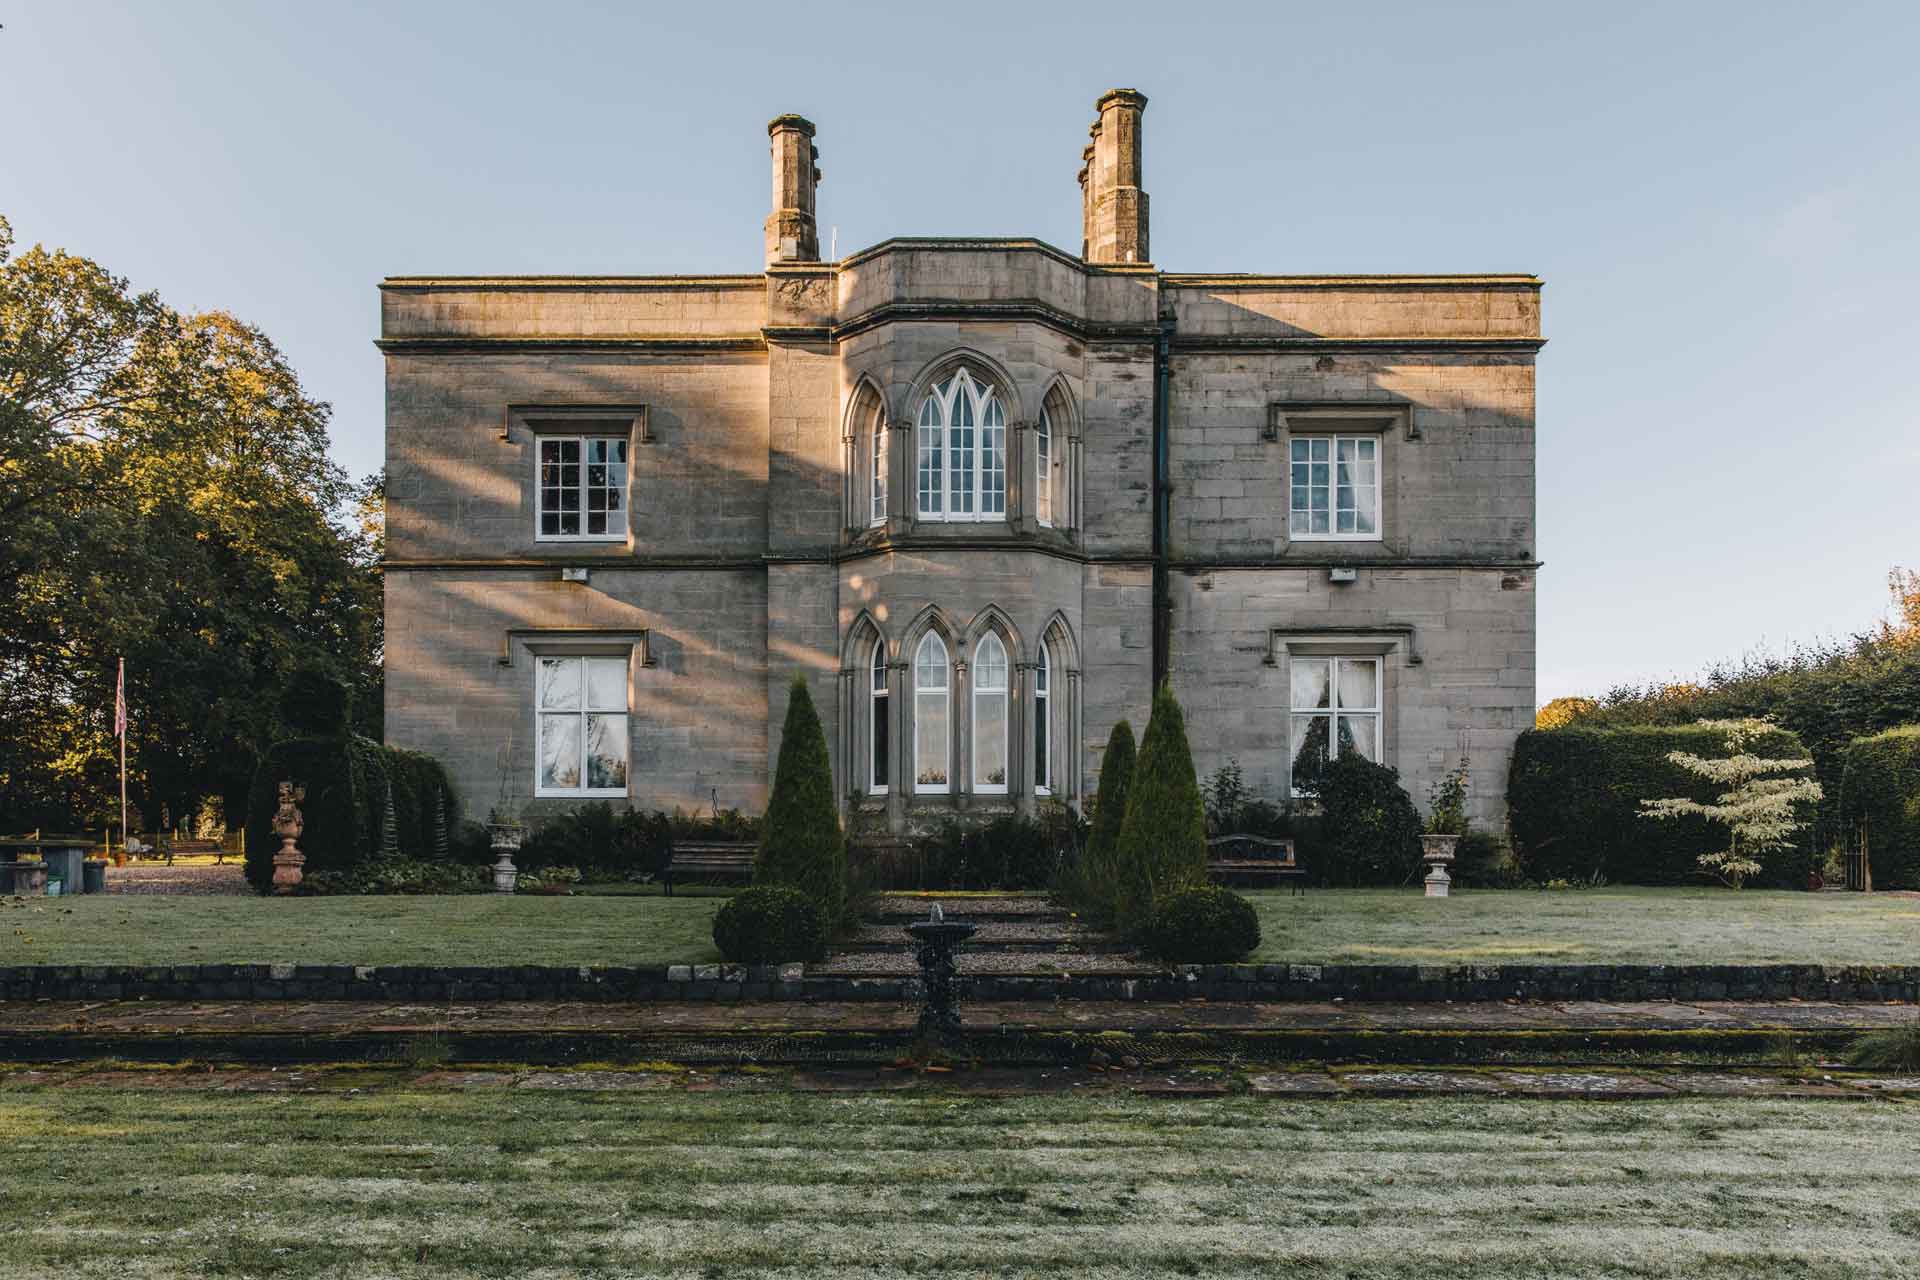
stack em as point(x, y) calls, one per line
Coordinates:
point(120, 702)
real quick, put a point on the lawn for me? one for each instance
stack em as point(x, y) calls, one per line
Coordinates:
point(128, 1183)
point(457, 929)
point(1588, 926)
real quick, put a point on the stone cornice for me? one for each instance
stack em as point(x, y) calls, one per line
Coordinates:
point(1237, 280)
point(1030, 310)
point(639, 343)
point(1225, 343)
point(615, 560)
point(466, 284)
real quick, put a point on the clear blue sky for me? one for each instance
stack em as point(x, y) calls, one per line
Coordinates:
point(1724, 201)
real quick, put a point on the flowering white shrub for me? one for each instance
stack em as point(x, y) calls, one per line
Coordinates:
point(1757, 805)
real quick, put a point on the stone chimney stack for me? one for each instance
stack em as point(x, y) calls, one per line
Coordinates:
point(1113, 206)
point(792, 234)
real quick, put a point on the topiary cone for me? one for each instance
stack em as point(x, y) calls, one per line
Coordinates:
point(804, 847)
point(1162, 847)
point(1109, 810)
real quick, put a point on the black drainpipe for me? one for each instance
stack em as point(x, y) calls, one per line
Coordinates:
point(1162, 502)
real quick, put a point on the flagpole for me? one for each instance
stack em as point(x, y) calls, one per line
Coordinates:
point(120, 723)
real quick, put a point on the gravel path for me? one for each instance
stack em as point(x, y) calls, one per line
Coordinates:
point(958, 907)
point(190, 881)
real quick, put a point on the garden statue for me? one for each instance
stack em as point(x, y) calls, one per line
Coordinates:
point(288, 824)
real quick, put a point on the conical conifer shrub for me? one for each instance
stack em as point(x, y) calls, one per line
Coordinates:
point(804, 847)
point(1109, 809)
point(1162, 847)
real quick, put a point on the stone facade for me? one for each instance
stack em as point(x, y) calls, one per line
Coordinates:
point(773, 516)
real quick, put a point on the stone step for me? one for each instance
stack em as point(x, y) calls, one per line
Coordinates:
point(903, 908)
point(1022, 935)
point(984, 963)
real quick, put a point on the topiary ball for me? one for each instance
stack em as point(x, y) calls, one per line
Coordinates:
point(769, 924)
point(1203, 926)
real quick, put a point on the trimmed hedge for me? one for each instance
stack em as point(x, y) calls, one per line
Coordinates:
point(1369, 829)
point(1573, 802)
point(1880, 785)
point(598, 839)
point(1203, 926)
point(349, 782)
point(769, 924)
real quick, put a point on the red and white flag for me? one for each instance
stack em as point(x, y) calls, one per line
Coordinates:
point(120, 703)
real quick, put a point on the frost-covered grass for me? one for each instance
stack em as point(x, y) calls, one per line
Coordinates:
point(456, 929)
point(526, 1183)
point(1587, 926)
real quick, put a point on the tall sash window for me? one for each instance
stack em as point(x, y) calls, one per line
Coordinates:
point(931, 703)
point(961, 464)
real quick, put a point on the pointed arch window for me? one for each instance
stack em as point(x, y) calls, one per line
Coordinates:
point(877, 486)
point(961, 460)
point(1042, 726)
point(877, 722)
point(1043, 469)
point(990, 686)
point(931, 703)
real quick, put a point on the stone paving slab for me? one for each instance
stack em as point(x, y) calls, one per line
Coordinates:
point(324, 1017)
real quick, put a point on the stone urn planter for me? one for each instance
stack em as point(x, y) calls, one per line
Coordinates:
point(29, 878)
point(1437, 852)
point(507, 837)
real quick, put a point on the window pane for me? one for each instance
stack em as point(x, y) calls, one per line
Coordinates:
point(1359, 685)
point(1312, 682)
point(1343, 522)
point(1309, 750)
point(990, 740)
point(990, 669)
point(607, 684)
point(880, 739)
point(1361, 734)
point(1298, 523)
point(1318, 519)
point(1367, 518)
point(1297, 451)
point(560, 752)
point(930, 664)
point(993, 460)
point(930, 739)
point(559, 683)
point(1043, 470)
point(1320, 451)
point(606, 751)
point(1042, 766)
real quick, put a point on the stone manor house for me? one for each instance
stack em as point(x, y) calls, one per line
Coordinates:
point(980, 493)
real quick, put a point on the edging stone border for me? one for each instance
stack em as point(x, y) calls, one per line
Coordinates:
point(716, 982)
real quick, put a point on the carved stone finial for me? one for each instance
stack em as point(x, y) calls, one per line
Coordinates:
point(288, 824)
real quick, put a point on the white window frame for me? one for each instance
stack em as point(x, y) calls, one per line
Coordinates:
point(944, 693)
point(877, 485)
point(1043, 470)
point(984, 692)
point(1043, 723)
point(583, 711)
point(625, 488)
point(934, 451)
point(1361, 444)
point(1334, 710)
point(879, 703)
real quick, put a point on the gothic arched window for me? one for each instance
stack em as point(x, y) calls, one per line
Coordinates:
point(1043, 469)
point(877, 724)
point(930, 720)
point(877, 486)
point(990, 686)
point(1042, 728)
point(961, 467)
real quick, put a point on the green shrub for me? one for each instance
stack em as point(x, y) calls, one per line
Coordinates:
point(398, 876)
point(1011, 851)
point(803, 846)
point(1880, 787)
point(1098, 874)
point(605, 844)
point(1485, 861)
point(769, 924)
point(1202, 926)
point(1889, 1049)
point(1573, 801)
point(349, 782)
point(1162, 846)
point(1369, 829)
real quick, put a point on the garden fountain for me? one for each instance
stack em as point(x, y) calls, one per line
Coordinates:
point(934, 939)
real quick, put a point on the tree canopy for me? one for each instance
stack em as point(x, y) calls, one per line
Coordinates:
point(166, 495)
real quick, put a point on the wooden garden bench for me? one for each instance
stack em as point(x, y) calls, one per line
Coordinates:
point(709, 860)
point(1254, 861)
